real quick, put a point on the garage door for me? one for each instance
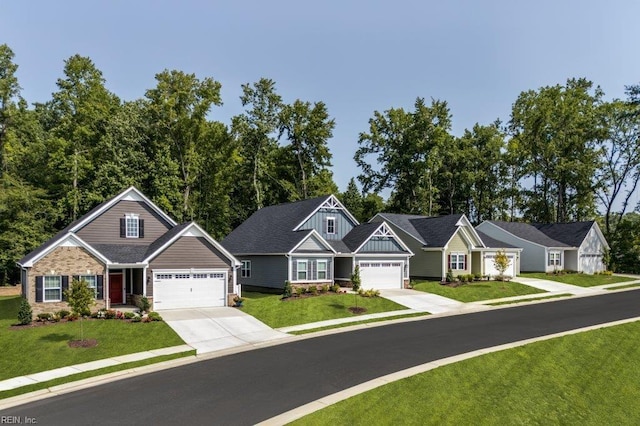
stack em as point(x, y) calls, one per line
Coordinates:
point(591, 263)
point(381, 275)
point(490, 269)
point(175, 290)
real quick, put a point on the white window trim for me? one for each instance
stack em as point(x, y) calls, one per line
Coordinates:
point(128, 217)
point(554, 258)
point(95, 283)
point(318, 270)
point(305, 262)
point(333, 222)
point(245, 269)
point(457, 261)
point(45, 288)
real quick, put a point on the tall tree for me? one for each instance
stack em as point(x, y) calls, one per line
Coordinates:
point(352, 199)
point(178, 108)
point(556, 129)
point(619, 173)
point(307, 127)
point(9, 92)
point(256, 129)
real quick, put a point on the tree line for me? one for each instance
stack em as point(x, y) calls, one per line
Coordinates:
point(563, 151)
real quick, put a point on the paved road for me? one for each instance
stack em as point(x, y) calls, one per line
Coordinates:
point(248, 387)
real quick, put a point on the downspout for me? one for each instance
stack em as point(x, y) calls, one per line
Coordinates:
point(107, 298)
point(444, 264)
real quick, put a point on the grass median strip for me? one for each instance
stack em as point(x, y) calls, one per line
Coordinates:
point(620, 287)
point(533, 299)
point(585, 378)
point(476, 291)
point(395, 317)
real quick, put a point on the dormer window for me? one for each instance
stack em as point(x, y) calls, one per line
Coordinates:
point(331, 225)
point(131, 226)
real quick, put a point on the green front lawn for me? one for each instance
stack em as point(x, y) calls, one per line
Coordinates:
point(33, 349)
point(271, 310)
point(589, 378)
point(476, 291)
point(582, 280)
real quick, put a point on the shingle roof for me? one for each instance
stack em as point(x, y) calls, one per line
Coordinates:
point(120, 253)
point(572, 234)
point(403, 221)
point(270, 229)
point(359, 235)
point(529, 232)
point(432, 232)
point(492, 242)
point(339, 246)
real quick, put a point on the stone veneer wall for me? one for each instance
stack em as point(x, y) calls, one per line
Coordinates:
point(64, 261)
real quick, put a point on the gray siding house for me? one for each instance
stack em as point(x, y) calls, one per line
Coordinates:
point(316, 241)
point(576, 246)
point(127, 248)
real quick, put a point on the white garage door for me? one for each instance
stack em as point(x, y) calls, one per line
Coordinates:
point(490, 268)
point(381, 275)
point(176, 290)
point(591, 263)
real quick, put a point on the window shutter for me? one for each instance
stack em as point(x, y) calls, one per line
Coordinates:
point(449, 261)
point(313, 273)
point(123, 227)
point(76, 278)
point(140, 228)
point(65, 286)
point(465, 262)
point(294, 270)
point(100, 287)
point(39, 288)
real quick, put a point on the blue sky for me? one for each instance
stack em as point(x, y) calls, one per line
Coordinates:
point(356, 56)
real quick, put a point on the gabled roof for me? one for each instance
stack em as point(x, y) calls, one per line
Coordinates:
point(62, 239)
point(572, 234)
point(271, 229)
point(130, 193)
point(122, 253)
point(360, 234)
point(328, 202)
point(491, 242)
point(529, 232)
point(403, 221)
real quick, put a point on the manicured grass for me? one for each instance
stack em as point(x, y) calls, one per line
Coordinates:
point(313, 330)
point(624, 286)
point(582, 280)
point(93, 373)
point(589, 378)
point(271, 310)
point(533, 299)
point(476, 291)
point(33, 349)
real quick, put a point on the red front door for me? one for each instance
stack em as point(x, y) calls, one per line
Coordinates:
point(115, 288)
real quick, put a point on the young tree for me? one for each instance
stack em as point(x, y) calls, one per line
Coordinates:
point(80, 298)
point(501, 262)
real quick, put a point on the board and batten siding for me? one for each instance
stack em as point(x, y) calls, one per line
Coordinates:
point(190, 252)
point(380, 245)
point(266, 271)
point(105, 229)
point(319, 219)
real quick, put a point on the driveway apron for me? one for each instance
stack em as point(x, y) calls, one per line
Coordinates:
point(554, 286)
point(423, 302)
point(214, 329)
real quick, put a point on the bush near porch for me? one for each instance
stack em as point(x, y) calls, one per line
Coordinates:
point(476, 291)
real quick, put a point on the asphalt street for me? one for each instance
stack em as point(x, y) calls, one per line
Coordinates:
point(252, 386)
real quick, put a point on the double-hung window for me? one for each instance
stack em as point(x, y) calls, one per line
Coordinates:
point(322, 269)
point(92, 283)
point(554, 258)
point(245, 269)
point(302, 270)
point(52, 288)
point(457, 262)
point(331, 225)
point(132, 228)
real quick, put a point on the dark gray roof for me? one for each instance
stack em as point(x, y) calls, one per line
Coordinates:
point(572, 234)
point(164, 238)
point(121, 253)
point(339, 246)
point(403, 221)
point(359, 235)
point(436, 231)
point(529, 232)
point(270, 229)
point(492, 242)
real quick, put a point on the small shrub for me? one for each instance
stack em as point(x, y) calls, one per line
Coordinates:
point(300, 291)
point(471, 278)
point(313, 290)
point(477, 277)
point(323, 288)
point(143, 304)
point(25, 314)
point(450, 278)
point(336, 288)
point(129, 315)
point(63, 313)
point(369, 293)
point(605, 273)
point(43, 317)
point(136, 318)
point(55, 317)
point(72, 316)
point(288, 291)
point(110, 314)
point(355, 279)
point(154, 316)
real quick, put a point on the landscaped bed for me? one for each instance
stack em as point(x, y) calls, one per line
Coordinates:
point(587, 378)
point(476, 291)
point(275, 312)
point(582, 280)
point(30, 349)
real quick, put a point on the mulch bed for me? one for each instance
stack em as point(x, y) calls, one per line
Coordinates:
point(86, 343)
point(357, 310)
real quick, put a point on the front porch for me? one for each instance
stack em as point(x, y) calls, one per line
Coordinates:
point(126, 288)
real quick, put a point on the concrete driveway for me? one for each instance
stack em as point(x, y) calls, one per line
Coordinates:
point(214, 329)
point(421, 301)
